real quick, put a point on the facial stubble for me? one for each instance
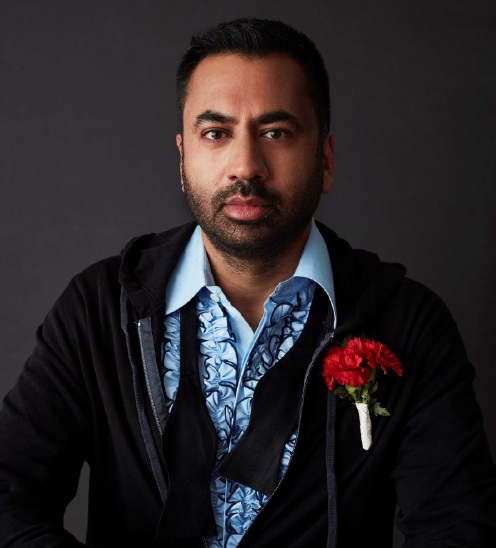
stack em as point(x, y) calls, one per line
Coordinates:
point(263, 241)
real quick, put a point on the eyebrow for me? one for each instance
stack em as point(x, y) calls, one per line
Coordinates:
point(209, 116)
point(275, 116)
point(271, 117)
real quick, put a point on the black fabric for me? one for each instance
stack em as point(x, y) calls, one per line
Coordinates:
point(75, 401)
point(189, 446)
point(256, 459)
point(190, 441)
point(296, 515)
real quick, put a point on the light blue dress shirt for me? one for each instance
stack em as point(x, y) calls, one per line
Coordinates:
point(232, 359)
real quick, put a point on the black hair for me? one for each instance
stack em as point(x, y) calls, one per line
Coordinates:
point(252, 37)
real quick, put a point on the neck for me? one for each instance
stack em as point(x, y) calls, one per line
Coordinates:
point(248, 284)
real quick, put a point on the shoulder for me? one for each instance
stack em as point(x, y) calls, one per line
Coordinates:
point(141, 269)
point(422, 301)
point(416, 322)
point(100, 278)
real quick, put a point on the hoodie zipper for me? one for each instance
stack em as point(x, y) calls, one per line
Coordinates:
point(150, 395)
point(327, 339)
point(147, 380)
point(139, 400)
point(324, 344)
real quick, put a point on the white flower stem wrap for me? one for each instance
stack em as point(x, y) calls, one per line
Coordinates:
point(365, 424)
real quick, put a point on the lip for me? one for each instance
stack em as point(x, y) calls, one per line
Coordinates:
point(250, 202)
point(247, 209)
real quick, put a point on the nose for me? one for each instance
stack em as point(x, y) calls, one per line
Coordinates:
point(246, 159)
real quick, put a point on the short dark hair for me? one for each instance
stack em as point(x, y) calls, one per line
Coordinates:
point(252, 37)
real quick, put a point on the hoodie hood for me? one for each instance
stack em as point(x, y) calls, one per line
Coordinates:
point(362, 282)
point(147, 264)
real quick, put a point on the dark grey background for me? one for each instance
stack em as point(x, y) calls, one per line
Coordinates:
point(88, 158)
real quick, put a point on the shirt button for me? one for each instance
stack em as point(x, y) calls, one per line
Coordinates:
point(214, 297)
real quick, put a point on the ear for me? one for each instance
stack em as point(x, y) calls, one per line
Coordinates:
point(329, 163)
point(179, 143)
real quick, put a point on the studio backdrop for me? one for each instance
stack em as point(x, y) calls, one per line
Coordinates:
point(88, 160)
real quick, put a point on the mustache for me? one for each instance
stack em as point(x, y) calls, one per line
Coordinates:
point(251, 188)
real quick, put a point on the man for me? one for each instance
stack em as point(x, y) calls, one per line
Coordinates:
point(188, 372)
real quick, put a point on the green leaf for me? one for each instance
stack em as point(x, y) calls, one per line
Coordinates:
point(378, 410)
point(341, 392)
point(355, 393)
point(373, 388)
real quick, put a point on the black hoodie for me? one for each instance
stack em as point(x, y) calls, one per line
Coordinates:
point(92, 391)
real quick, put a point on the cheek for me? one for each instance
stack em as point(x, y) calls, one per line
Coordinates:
point(295, 174)
point(298, 158)
point(203, 167)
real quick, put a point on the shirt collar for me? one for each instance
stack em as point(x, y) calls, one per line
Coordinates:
point(192, 271)
point(315, 264)
point(191, 274)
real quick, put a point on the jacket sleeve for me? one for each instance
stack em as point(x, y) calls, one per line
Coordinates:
point(444, 475)
point(43, 433)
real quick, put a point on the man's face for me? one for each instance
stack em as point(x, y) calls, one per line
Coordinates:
point(250, 166)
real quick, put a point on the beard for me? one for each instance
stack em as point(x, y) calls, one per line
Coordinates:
point(262, 240)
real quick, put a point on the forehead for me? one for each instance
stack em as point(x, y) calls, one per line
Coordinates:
point(248, 86)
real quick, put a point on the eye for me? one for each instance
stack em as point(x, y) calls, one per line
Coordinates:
point(213, 134)
point(276, 134)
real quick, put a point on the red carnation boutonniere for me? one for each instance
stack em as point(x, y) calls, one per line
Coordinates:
point(354, 365)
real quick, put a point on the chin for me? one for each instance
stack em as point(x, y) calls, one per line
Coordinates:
point(249, 240)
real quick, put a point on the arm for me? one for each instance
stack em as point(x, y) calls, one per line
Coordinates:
point(43, 433)
point(444, 476)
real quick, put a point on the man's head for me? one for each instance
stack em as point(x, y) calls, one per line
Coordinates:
point(251, 37)
point(253, 161)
